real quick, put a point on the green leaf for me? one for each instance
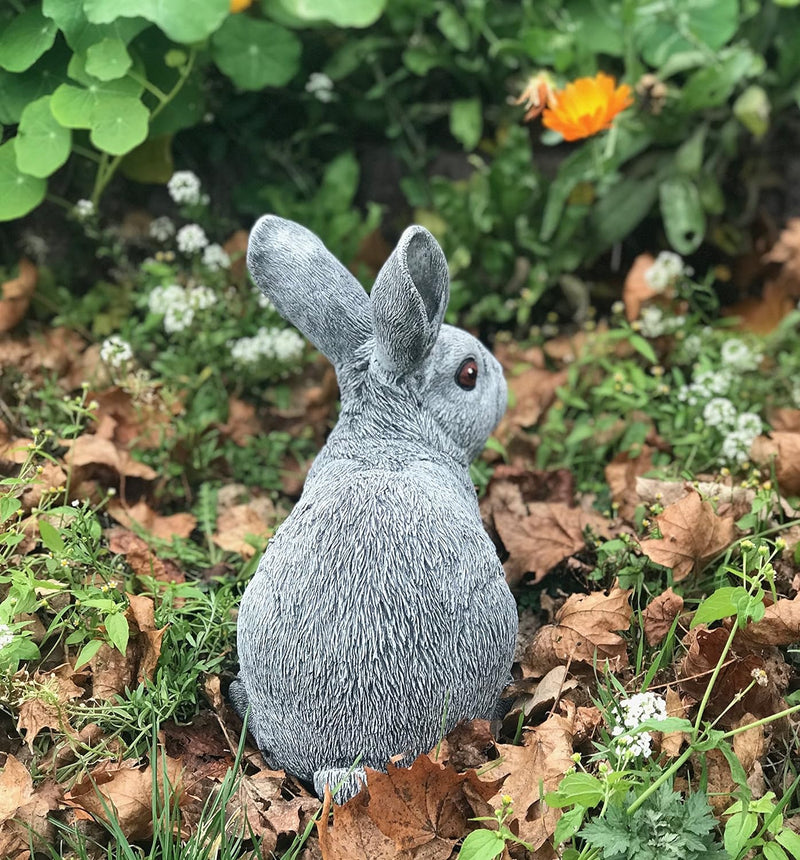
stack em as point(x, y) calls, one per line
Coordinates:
point(81, 34)
point(420, 60)
point(643, 347)
point(19, 90)
point(72, 106)
point(255, 54)
point(683, 214)
point(568, 825)
point(118, 630)
point(580, 789)
point(482, 845)
point(19, 192)
point(184, 21)
point(622, 208)
point(108, 59)
point(466, 122)
point(790, 841)
point(25, 39)
point(87, 652)
point(51, 537)
point(42, 145)
point(752, 109)
point(454, 28)
point(119, 125)
point(342, 13)
point(714, 85)
point(723, 603)
point(689, 157)
point(151, 161)
point(773, 851)
point(8, 506)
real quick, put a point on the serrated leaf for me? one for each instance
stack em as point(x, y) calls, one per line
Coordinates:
point(482, 845)
point(580, 789)
point(8, 506)
point(108, 59)
point(466, 122)
point(184, 21)
point(42, 144)
point(255, 54)
point(118, 630)
point(51, 537)
point(643, 347)
point(119, 124)
point(25, 39)
point(19, 192)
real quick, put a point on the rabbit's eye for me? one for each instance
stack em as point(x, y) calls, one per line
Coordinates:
point(467, 374)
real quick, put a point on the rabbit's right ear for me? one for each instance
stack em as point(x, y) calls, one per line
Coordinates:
point(409, 299)
point(309, 287)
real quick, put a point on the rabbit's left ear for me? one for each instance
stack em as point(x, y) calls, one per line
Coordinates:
point(409, 299)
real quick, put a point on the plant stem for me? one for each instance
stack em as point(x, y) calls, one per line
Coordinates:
point(714, 676)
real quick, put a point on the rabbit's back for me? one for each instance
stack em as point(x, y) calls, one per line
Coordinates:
point(379, 607)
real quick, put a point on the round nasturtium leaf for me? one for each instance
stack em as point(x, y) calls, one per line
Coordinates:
point(19, 192)
point(255, 54)
point(183, 21)
point(72, 106)
point(42, 145)
point(25, 39)
point(108, 59)
point(119, 124)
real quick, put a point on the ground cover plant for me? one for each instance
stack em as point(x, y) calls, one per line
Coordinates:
point(616, 190)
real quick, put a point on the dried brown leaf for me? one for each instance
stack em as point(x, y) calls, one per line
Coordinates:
point(671, 742)
point(532, 392)
point(749, 745)
point(165, 528)
point(621, 474)
point(586, 631)
point(354, 835)
point(692, 534)
point(466, 746)
point(240, 522)
point(16, 295)
point(143, 561)
point(88, 453)
point(779, 626)
point(659, 615)
point(785, 448)
point(45, 708)
point(24, 813)
point(549, 534)
point(636, 290)
point(242, 423)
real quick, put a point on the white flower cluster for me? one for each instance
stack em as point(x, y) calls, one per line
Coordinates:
point(631, 713)
point(720, 412)
point(191, 238)
point(83, 209)
point(184, 187)
point(284, 345)
point(737, 355)
point(654, 322)
point(179, 305)
point(264, 302)
point(215, 258)
point(665, 271)
point(320, 86)
point(115, 351)
point(161, 228)
point(6, 635)
point(737, 443)
point(705, 385)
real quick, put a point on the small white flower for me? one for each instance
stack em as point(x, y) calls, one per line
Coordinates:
point(178, 318)
point(84, 209)
point(737, 355)
point(264, 302)
point(215, 258)
point(720, 412)
point(284, 345)
point(321, 86)
point(629, 714)
point(191, 238)
point(693, 345)
point(618, 308)
point(115, 351)
point(652, 322)
point(161, 298)
point(184, 187)
point(6, 635)
point(161, 228)
point(201, 297)
point(749, 423)
point(665, 271)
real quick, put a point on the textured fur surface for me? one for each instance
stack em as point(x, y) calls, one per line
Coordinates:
point(379, 613)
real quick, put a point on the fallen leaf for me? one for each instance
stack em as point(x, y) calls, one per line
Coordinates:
point(785, 448)
point(671, 742)
point(235, 525)
point(659, 615)
point(236, 248)
point(720, 784)
point(532, 392)
point(636, 290)
point(585, 630)
point(546, 536)
point(176, 525)
point(24, 813)
point(779, 626)
point(785, 420)
point(692, 534)
point(530, 771)
point(354, 835)
point(113, 671)
point(45, 707)
point(143, 420)
point(128, 790)
point(749, 745)
point(90, 453)
point(16, 295)
point(242, 423)
point(763, 315)
point(621, 474)
point(466, 747)
point(141, 611)
point(142, 560)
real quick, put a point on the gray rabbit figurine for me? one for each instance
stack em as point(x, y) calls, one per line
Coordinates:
point(379, 616)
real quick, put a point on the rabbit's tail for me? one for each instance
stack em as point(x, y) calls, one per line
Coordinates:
point(343, 781)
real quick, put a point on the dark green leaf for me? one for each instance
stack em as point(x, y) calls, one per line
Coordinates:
point(255, 54)
point(684, 218)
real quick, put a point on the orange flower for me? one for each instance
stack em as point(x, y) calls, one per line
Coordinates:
point(586, 106)
point(240, 5)
point(537, 93)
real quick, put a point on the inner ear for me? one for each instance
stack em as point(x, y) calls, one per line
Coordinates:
point(422, 266)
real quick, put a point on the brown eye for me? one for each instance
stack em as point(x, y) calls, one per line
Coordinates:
point(467, 374)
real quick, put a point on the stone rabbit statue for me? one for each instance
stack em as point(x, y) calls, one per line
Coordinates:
point(379, 616)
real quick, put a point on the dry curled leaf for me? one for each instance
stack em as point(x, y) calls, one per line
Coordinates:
point(621, 474)
point(586, 630)
point(176, 525)
point(24, 813)
point(532, 392)
point(90, 453)
point(779, 626)
point(142, 560)
point(240, 526)
point(659, 615)
point(45, 707)
point(549, 533)
point(785, 449)
point(692, 534)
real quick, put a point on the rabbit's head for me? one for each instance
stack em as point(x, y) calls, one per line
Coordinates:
point(403, 375)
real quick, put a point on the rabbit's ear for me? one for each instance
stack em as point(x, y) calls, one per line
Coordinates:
point(409, 300)
point(309, 287)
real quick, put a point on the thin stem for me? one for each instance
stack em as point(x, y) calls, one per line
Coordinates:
point(674, 767)
point(150, 87)
point(86, 153)
point(714, 676)
point(762, 722)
